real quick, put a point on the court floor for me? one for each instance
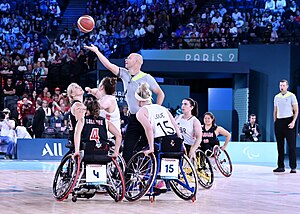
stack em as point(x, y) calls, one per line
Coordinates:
point(25, 187)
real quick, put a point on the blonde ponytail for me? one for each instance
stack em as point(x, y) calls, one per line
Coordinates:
point(143, 93)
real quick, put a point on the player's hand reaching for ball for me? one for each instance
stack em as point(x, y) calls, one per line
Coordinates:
point(91, 48)
point(88, 90)
point(94, 92)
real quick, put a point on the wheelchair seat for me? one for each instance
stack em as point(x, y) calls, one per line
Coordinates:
point(94, 158)
point(169, 143)
point(169, 146)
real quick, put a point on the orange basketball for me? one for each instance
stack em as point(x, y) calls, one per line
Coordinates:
point(86, 23)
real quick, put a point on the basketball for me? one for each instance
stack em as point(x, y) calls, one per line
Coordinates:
point(86, 23)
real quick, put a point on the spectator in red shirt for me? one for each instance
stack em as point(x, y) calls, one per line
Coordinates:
point(48, 98)
point(297, 19)
point(26, 112)
point(44, 93)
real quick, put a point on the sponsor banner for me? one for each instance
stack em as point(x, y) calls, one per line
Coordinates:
point(203, 55)
point(252, 152)
point(41, 149)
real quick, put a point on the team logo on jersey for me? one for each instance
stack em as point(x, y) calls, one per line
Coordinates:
point(98, 145)
point(172, 143)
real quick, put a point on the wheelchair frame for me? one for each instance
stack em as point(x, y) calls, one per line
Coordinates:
point(68, 170)
point(222, 160)
point(204, 169)
point(142, 172)
point(73, 181)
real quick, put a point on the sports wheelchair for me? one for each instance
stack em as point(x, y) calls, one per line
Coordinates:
point(204, 169)
point(222, 162)
point(168, 163)
point(84, 178)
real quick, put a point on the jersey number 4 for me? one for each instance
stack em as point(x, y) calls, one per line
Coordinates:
point(95, 135)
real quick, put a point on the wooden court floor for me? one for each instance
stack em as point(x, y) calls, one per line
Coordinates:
point(25, 187)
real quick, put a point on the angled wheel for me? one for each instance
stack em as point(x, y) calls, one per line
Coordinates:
point(186, 185)
point(65, 177)
point(140, 174)
point(115, 180)
point(204, 170)
point(223, 161)
point(121, 162)
point(120, 159)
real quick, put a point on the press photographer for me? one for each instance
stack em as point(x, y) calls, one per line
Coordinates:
point(251, 129)
point(7, 133)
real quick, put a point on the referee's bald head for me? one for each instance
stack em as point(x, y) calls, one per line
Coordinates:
point(138, 57)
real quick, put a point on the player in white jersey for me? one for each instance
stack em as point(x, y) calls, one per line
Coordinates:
point(108, 104)
point(155, 119)
point(190, 126)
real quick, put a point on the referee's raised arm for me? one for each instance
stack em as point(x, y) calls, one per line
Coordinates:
point(106, 63)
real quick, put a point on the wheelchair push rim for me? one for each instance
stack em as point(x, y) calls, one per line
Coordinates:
point(116, 182)
point(65, 177)
point(140, 174)
point(204, 170)
point(223, 161)
point(185, 186)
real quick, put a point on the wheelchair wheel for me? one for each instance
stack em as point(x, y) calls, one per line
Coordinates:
point(186, 185)
point(65, 177)
point(140, 174)
point(204, 170)
point(115, 180)
point(121, 162)
point(223, 161)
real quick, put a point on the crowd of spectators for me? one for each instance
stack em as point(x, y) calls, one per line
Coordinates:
point(30, 60)
point(181, 25)
point(26, 57)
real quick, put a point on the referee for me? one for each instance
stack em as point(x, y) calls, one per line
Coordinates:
point(285, 116)
point(132, 77)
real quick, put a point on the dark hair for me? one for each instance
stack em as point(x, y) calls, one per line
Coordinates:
point(16, 123)
point(252, 115)
point(39, 102)
point(88, 99)
point(194, 104)
point(212, 117)
point(94, 108)
point(109, 84)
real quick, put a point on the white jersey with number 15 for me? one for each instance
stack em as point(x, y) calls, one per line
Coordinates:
point(160, 121)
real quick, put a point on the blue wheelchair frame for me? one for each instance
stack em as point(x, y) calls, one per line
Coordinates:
point(171, 155)
point(148, 173)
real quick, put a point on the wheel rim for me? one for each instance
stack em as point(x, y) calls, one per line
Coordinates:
point(65, 177)
point(140, 174)
point(223, 161)
point(186, 185)
point(204, 169)
point(115, 178)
